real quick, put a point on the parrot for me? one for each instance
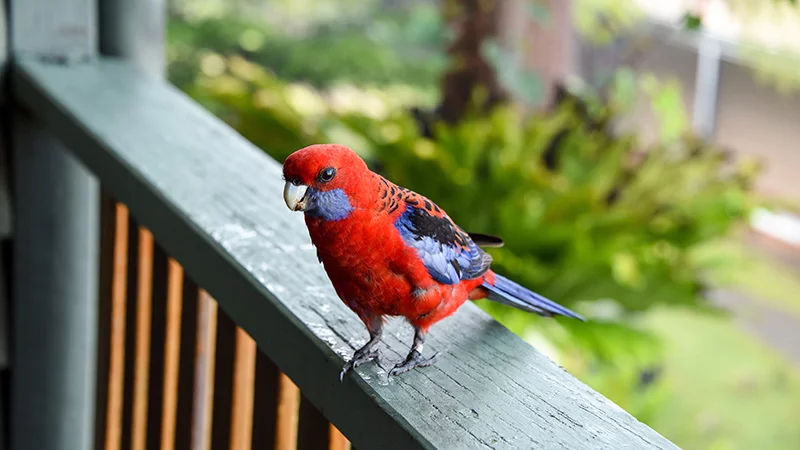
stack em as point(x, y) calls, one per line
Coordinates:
point(391, 252)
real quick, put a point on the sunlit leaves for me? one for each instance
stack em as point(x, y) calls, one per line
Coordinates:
point(667, 104)
point(601, 21)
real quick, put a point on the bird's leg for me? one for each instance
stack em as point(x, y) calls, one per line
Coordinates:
point(414, 358)
point(366, 353)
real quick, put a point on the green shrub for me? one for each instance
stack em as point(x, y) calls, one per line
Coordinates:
point(609, 220)
point(389, 49)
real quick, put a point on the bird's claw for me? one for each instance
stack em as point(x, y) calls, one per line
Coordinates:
point(413, 360)
point(361, 356)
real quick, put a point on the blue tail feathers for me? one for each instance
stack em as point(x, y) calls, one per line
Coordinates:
point(510, 293)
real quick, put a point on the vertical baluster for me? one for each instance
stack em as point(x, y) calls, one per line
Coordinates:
point(113, 299)
point(288, 406)
point(172, 353)
point(130, 318)
point(204, 372)
point(337, 441)
point(243, 391)
point(144, 313)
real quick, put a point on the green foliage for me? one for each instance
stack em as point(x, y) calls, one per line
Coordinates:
point(601, 21)
point(395, 48)
point(608, 220)
point(257, 104)
point(281, 117)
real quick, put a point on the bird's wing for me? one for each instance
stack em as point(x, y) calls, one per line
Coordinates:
point(449, 254)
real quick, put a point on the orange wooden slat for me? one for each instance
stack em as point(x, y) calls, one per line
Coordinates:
point(336, 439)
point(204, 375)
point(288, 413)
point(172, 348)
point(116, 370)
point(141, 382)
point(243, 391)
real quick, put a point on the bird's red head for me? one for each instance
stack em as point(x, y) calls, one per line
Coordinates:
point(325, 180)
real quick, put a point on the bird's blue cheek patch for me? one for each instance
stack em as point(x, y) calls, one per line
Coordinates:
point(330, 205)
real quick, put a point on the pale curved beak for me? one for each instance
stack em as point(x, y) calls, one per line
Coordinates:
point(295, 196)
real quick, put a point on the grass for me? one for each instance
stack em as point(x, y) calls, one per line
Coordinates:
point(729, 391)
point(717, 388)
point(720, 388)
point(752, 273)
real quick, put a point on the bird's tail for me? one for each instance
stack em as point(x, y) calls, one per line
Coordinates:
point(507, 292)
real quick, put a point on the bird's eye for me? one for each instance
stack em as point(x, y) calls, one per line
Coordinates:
point(326, 174)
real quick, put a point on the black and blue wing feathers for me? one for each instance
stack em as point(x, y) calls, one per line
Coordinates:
point(447, 252)
point(451, 255)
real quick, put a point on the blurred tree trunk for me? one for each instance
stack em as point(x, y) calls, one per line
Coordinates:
point(545, 45)
point(474, 23)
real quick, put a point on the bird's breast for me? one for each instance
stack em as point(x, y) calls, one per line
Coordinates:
point(360, 254)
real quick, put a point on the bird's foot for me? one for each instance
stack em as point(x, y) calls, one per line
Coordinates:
point(413, 360)
point(361, 356)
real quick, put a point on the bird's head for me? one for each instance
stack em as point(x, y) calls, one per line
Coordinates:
point(325, 180)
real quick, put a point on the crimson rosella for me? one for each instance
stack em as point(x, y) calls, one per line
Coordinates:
point(389, 251)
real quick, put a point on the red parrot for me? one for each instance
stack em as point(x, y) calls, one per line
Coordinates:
point(389, 251)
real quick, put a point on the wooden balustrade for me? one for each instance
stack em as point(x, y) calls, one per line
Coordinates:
point(175, 371)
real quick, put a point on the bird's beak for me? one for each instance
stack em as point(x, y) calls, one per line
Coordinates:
point(295, 196)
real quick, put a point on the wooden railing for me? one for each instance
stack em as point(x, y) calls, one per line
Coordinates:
point(175, 372)
point(202, 217)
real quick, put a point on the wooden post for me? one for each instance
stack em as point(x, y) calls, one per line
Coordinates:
point(5, 228)
point(56, 249)
point(135, 30)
